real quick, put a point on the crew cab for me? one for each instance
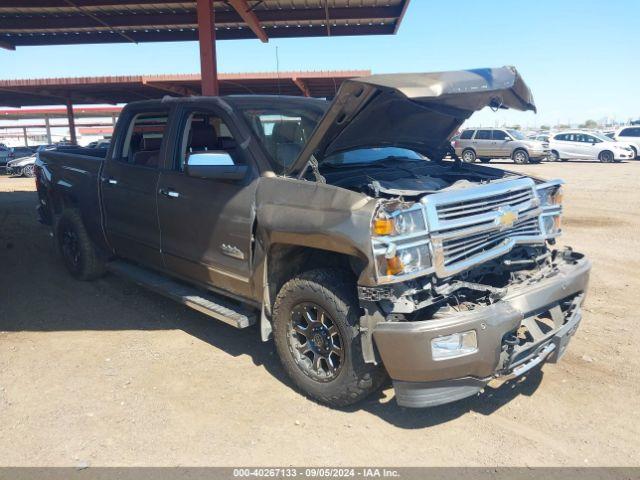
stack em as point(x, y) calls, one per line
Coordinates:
point(338, 228)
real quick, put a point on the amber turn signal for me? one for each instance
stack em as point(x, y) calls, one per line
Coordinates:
point(394, 266)
point(382, 226)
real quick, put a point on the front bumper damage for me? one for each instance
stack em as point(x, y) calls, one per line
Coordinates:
point(544, 314)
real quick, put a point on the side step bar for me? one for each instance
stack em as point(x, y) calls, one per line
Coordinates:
point(209, 303)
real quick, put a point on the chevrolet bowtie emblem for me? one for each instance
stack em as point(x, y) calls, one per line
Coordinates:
point(508, 218)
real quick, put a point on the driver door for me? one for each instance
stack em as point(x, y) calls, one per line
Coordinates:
point(206, 223)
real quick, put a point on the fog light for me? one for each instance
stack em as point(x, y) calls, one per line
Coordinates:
point(455, 345)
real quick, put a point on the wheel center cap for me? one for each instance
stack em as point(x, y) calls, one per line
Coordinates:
point(318, 340)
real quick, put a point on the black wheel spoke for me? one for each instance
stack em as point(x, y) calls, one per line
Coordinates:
point(315, 341)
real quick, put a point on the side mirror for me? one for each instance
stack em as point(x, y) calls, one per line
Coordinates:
point(215, 165)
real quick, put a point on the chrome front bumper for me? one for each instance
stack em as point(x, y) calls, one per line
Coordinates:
point(421, 381)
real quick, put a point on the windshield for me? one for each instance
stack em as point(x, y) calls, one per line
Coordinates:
point(283, 125)
point(363, 156)
point(517, 134)
point(604, 138)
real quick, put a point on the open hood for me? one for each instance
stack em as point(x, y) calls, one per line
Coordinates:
point(417, 111)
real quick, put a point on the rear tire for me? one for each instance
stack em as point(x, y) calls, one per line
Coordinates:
point(606, 157)
point(469, 156)
point(521, 157)
point(78, 252)
point(315, 328)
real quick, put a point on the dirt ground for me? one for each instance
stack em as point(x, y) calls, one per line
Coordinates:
point(106, 373)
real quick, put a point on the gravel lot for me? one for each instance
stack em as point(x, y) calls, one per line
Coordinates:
point(106, 373)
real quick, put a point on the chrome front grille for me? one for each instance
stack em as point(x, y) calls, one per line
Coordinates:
point(459, 249)
point(472, 225)
point(478, 206)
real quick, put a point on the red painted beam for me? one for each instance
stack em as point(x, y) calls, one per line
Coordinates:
point(249, 18)
point(207, 40)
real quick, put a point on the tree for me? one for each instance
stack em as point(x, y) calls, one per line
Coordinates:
point(545, 127)
point(589, 124)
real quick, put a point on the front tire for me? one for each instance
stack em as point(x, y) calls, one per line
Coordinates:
point(28, 171)
point(315, 327)
point(78, 252)
point(554, 156)
point(606, 157)
point(520, 157)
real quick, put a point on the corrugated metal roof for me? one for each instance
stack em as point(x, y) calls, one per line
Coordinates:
point(123, 89)
point(49, 22)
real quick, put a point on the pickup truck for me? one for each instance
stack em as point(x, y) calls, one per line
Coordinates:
point(338, 228)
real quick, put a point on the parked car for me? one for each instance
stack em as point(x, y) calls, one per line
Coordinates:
point(20, 152)
point(630, 135)
point(488, 143)
point(21, 167)
point(4, 155)
point(360, 261)
point(577, 144)
point(102, 143)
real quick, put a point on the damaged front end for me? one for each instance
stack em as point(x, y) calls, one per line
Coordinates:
point(470, 288)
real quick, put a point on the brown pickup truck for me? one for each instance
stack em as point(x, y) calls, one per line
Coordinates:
point(338, 228)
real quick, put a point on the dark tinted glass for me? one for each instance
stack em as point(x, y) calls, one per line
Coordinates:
point(467, 134)
point(483, 135)
point(500, 135)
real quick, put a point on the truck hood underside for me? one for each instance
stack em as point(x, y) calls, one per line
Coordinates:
point(418, 111)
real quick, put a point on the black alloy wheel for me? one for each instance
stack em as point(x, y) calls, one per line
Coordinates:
point(315, 342)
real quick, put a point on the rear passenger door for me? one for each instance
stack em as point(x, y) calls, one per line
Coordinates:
point(129, 186)
point(483, 143)
point(206, 223)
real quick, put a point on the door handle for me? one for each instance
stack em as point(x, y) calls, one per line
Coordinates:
point(169, 193)
point(110, 181)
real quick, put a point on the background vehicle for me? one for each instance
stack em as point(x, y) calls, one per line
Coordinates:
point(488, 143)
point(359, 261)
point(576, 144)
point(630, 135)
point(22, 166)
point(4, 155)
point(103, 143)
point(20, 152)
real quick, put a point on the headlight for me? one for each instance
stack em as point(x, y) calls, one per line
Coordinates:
point(400, 242)
point(398, 222)
point(551, 225)
point(550, 195)
point(404, 260)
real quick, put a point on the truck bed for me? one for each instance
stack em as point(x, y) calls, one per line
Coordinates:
point(73, 179)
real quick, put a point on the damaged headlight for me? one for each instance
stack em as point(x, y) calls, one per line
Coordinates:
point(550, 195)
point(400, 242)
point(404, 260)
point(398, 222)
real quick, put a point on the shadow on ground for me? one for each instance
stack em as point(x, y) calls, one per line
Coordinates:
point(37, 294)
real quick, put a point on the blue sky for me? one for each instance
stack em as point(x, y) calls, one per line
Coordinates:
point(581, 58)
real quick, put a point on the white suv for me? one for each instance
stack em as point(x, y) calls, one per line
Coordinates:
point(577, 144)
point(630, 135)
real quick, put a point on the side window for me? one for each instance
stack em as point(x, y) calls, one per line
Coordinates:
point(627, 132)
point(466, 135)
point(560, 136)
point(206, 132)
point(143, 139)
point(500, 135)
point(590, 139)
point(483, 135)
